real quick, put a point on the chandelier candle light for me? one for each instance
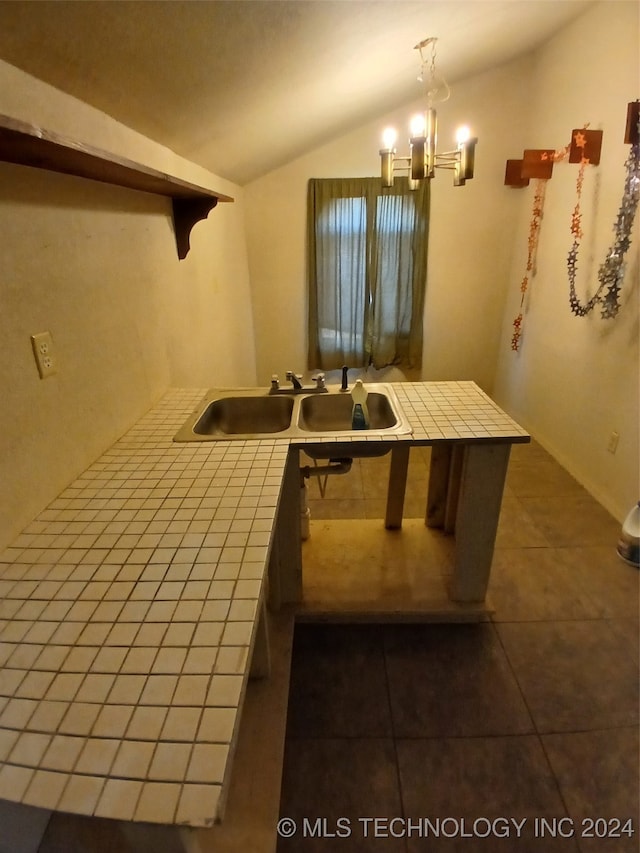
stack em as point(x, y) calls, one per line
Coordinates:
point(423, 159)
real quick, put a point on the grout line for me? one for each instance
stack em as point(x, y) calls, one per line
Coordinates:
point(393, 729)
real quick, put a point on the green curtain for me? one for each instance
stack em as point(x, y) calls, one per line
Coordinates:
point(367, 270)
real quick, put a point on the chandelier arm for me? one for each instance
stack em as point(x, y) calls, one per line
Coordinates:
point(447, 160)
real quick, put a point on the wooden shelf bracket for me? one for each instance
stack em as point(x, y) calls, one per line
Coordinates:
point(27, 145)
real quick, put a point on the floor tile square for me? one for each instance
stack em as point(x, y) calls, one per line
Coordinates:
point(325, 780)
point(572, 520)
point(461, 783)
point(608, 792)
point(611, 584)
point(530, 584)
point(338, 685)
point(452, 680)
point(574, 675)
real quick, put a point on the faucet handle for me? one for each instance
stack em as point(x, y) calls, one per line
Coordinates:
point(275, 382)
point(319, 380)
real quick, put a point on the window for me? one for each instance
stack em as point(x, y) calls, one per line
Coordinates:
point(367, 272)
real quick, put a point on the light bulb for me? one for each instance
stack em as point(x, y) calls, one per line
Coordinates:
point(389, 137)
point(416, 126)
point(463, 134)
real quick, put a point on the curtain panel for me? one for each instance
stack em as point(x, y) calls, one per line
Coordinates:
point(367, 269)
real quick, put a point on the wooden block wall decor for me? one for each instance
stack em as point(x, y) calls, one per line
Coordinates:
point(633, 116)
point(585, 143)
point(513, 174)
point(538, 163)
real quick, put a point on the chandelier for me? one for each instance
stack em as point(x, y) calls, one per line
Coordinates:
point(423, 159)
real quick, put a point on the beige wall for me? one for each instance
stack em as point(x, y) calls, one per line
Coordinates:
point(470, 233)
point(97, 266)
point(576, 380)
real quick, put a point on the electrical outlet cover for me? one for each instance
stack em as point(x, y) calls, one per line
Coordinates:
point(42, 344)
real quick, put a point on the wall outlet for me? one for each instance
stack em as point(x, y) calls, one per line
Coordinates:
point(612, 446)
point(43, 351)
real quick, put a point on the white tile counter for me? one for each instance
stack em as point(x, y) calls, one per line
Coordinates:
point(455, 411)
point(130, 605)
point(127, 612)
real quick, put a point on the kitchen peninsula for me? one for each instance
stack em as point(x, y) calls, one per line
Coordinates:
point(133, 608)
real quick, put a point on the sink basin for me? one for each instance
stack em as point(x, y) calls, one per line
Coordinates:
point(250, 413)
point(238, 413)
point(334, 412)
point(245, 415)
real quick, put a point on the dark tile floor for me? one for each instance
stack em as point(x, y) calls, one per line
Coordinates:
point(484, 737)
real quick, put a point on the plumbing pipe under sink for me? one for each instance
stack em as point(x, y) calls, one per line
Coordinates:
point(335, 466)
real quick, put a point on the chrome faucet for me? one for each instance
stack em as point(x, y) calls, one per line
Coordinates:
point(295, 379)
point(296, 385)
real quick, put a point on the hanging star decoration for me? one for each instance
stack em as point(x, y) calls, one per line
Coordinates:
point(537, 212)
point(611, 271)
point(532, 248)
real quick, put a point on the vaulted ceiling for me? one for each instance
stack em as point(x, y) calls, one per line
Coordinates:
point(243, 86)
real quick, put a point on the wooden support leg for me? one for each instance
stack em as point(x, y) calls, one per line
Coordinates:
point(285, 565)
point(261, 657)
point(438, 484)
point(453, 488)
point(483, 474)
point(397, 485)
point(273, 593)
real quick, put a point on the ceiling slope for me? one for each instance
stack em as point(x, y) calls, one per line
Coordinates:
point(243, 86)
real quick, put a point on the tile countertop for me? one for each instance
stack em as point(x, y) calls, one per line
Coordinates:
point(128, 608)
point(448, 411)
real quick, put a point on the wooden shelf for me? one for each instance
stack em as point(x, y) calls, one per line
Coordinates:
point(28, 145)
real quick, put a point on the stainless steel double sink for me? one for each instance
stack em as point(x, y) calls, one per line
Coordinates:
point(249, 413)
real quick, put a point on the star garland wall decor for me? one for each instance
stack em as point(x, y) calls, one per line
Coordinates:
point(547, 158)
point(532, 243)
point(611, 271)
